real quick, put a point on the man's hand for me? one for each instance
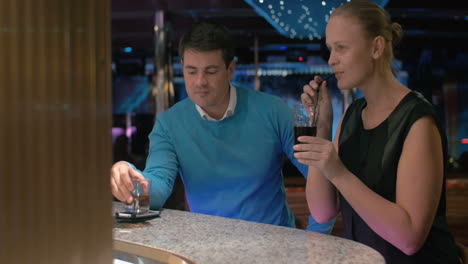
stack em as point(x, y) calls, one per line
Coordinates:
point(121, 184)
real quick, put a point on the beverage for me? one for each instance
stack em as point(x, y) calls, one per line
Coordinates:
point(139, 205)
point(304, 131)
point(141, 198)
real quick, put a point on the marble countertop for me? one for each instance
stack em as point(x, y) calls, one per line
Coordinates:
point(212, 239)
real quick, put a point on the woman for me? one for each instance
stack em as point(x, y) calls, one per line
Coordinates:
point(385, 169)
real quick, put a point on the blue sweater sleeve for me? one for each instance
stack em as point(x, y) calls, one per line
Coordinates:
point(286, 123)
point(161, 165)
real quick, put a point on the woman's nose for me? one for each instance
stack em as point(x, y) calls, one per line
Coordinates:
point(332, 59)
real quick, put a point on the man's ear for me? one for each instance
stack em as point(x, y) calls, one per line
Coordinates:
point(378, 47)
point(231, 69)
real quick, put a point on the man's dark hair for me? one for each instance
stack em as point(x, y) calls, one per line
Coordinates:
point(207, 36)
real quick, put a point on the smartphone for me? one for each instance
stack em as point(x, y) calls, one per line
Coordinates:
point(132, 217)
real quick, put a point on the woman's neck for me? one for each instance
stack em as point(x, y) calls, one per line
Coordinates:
point(382, 97)
point(383, 93)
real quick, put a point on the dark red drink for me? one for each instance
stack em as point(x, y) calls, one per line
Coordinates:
point(304, 131)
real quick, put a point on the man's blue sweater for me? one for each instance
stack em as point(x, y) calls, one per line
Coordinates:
point(230, 168)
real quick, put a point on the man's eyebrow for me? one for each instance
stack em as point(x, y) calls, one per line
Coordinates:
point(211, 67)
point(206, 68)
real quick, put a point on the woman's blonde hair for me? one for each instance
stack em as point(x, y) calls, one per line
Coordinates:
point(376, 22)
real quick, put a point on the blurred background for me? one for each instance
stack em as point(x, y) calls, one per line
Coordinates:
point(280, 47)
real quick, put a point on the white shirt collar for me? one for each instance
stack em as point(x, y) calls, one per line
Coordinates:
point(229, 111)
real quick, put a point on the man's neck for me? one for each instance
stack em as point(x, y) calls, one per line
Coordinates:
point(217, 111)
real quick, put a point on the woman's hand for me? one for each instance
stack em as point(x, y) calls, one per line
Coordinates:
point(309, 96)
point(321, 154)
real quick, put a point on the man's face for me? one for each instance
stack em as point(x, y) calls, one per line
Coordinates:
point(207, 79)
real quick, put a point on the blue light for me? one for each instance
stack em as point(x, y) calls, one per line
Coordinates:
point(299, 19)
point(283, 47)
point(127, 49)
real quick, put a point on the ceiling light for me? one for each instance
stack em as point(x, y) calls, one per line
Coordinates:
point(296, 22)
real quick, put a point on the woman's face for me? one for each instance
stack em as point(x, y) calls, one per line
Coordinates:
point(350, 51)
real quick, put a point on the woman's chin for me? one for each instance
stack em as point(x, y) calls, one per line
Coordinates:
point(344, 86)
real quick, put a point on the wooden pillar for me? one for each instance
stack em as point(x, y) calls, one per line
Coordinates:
point(163, 89)
point(450, 95)
point(55, 131)
point(256, 62)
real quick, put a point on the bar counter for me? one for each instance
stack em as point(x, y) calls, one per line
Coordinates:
point(211, 239)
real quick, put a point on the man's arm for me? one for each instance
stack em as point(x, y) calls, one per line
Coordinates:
point(161, 165)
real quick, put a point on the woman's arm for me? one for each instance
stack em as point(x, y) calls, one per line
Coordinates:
point(321, 194)
point(405, 223)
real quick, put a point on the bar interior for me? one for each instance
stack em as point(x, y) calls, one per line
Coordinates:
point(83, 82)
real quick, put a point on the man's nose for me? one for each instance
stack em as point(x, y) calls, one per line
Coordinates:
point(201, 79)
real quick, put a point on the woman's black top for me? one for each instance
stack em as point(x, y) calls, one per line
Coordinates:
point(373, 155)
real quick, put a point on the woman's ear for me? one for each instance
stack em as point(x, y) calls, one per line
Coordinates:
point(378, 47)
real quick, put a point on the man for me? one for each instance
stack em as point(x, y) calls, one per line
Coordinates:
point(226, 142)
